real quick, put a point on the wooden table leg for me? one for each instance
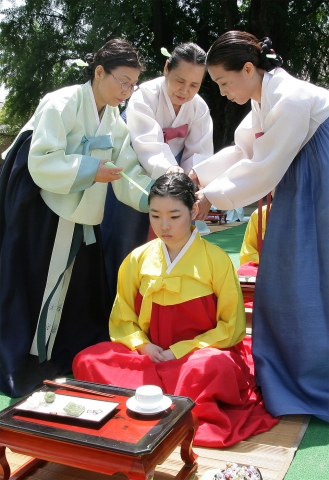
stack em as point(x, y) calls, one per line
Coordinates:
point(21, 472)
point(27, 468)
point(187, 454)
point(4, 465)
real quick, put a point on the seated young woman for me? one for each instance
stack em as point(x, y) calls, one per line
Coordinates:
point(178, 322)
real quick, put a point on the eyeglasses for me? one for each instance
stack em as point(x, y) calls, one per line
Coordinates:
point(126, 85)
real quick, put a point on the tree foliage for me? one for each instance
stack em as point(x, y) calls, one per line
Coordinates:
point(40, 38)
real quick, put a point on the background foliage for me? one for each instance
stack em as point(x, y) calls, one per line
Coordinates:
point(40, 38)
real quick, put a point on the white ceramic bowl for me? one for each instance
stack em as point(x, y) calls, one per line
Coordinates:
point(148, 396)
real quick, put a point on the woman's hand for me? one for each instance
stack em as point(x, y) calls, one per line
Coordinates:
point(193, 176)
point(107, 174)
point(203, 204)
point(154, 352)
point(168, 354)
point(175, 169)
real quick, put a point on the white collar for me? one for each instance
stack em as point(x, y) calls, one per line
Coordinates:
point(187, 245)
point(93, 101)
point(174, 116)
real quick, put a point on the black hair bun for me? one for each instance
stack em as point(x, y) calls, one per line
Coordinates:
point(269, 59)
point(266, 45)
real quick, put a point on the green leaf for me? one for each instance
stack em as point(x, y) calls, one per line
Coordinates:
point(80, 63)
point(165, 52)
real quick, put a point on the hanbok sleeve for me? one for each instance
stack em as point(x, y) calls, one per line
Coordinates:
point(252, 168)
point(249, 249)
point(124, 156)
point(231, 320)
point(147, 135)
point(51, 167)
point(124, 326)
point(199, 141)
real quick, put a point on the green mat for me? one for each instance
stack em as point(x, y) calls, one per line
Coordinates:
point(311, 461)
point(229, 240)
point(6, 401)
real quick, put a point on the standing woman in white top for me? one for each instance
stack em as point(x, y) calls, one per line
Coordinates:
point(171, 131)
point(284, 140)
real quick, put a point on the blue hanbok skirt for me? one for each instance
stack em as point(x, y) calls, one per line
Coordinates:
point(291, 307)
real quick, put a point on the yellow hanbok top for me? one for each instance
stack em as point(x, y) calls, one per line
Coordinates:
point(249, 249)
point(200, 269)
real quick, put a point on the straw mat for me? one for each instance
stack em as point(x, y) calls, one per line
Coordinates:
point(272, 452)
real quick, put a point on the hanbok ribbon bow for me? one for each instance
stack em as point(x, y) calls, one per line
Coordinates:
point(172, 285)
point(258, 134)
point(174, 132)
point(104, 142)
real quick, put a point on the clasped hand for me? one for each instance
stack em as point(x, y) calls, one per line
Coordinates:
point(156, 353)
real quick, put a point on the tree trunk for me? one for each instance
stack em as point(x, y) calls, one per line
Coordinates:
point(226, 115)
point(267, 18)
point(163, 32)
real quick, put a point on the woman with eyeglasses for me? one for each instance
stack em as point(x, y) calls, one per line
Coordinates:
point(171, 131)
point(54, 299)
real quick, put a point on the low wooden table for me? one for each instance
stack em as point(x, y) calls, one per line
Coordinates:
point(248, 292)
point(216, 216)
point(126, 442)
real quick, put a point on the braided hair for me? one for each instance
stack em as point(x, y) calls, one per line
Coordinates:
point(117, 52)
point(234, 48)
point(175, 185)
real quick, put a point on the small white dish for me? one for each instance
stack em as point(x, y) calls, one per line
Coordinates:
point(135, 407)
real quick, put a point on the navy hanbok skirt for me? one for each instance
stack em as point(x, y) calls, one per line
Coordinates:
point(27, 232)
point(291, 306)
point(123, 229)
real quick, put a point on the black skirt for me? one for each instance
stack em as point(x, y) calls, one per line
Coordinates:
point(27, 232)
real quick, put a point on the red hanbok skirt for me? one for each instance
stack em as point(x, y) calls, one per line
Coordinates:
point(229, 405)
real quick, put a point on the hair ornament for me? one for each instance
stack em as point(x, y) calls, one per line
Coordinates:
point(266, 44)
point(165, 52)
point(267, 53)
